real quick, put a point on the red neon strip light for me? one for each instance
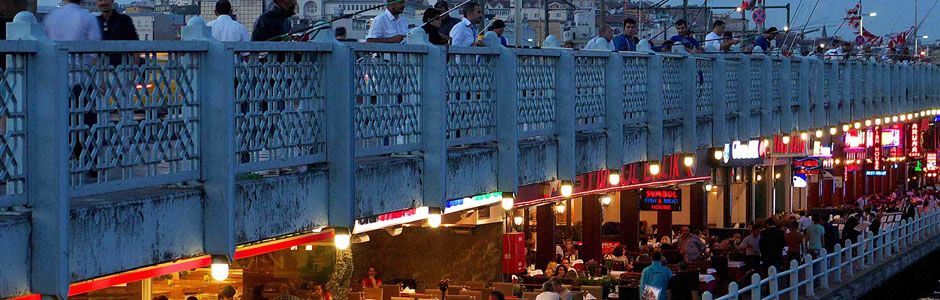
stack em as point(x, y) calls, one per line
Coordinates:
point(29, 297)
point(187, 264)
point(609, 189)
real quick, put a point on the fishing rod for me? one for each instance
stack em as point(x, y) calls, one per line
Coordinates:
point(322, 25)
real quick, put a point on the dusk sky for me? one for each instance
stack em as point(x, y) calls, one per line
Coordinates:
point(893, 15)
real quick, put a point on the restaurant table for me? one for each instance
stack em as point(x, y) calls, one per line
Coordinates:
point(735, 269)
point(707, 283)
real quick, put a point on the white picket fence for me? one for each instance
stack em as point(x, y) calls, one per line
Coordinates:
point(839, 266)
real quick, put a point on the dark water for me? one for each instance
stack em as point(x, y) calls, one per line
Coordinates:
point(921, 280)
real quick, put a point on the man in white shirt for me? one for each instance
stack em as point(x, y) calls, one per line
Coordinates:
point(840, 52)
point(465, 32)
point(389, 27)
point(72, 23)
point(548, 290)
point(715, 41)
point(224, 28)
point(604, 39)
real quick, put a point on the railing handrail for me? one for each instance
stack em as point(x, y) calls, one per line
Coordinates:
point(923, 225)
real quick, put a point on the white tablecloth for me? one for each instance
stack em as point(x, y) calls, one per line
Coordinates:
point(705, 278)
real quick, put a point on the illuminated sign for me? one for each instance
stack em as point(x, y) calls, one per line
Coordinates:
point(661, 200)
point(915, 140)
point(820, 150)
point(877, 151)
point(890, 138)
point(752, 150)
point(931, 162)
point(807, 165)
point(795, 147)
point(390, 219)
point(671, 168)
point(876, 173)
point(472, 202)
point(799, 180)
point(854, 140)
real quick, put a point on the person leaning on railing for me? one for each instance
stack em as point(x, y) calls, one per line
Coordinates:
point(465, 32)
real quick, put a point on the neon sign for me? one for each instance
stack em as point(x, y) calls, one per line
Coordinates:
point(807, 165)
point(854, 140)
point(877, 151)
point(890, 138)
point(471, 202)
point(931, 162)
point(661, 200)
point(391, 219)
point(753, 149)
point(915, 140)
point(876, 173)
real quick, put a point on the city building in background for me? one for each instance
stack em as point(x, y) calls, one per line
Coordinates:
point(153, 26)
point(246, 11)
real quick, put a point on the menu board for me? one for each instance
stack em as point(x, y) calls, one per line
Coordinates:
point(661, 200)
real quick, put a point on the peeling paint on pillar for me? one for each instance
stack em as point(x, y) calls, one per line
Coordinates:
point(634, 144)
point(590, 152)
point(470, 172)
point(14, 261)
point(277, 206)
point(387, 184)
point(127, 230)
point(703, 131)
point(538, 161)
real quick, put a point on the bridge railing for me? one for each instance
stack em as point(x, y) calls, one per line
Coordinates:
point(845, 263)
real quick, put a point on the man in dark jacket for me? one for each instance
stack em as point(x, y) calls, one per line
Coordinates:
point(849, 232)
point(115, 26)
point(275, 22)
point(447, 22)
point(831, 236)
point(771, 245)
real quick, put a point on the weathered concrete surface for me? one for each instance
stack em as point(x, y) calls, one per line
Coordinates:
point(634, 144)
point(874, 276)
point(14, 255)
point(123, 231)
point(590, 149)
point(277, 206)
point(387, 184)
point(538, 161)
point(470, 171)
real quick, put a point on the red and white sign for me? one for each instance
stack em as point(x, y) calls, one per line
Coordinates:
point(915, 141)
point(854, 140)
point(608, 247)
point(931, 162)
point(390, 219)
point(877, 151)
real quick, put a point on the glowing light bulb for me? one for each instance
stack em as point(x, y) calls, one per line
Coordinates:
point(709, 187)
point(654, 167)
point(560, 208)
point(614, 177)
point(845, 127)
point(517, 220)
point(219, 267)
point(804, 136)
point(688, 160)
point(434, 217)
point(786, 139)
point(566, 188)
point(341, 238)
point(508, 200)
point(606, 199)
point(833, 131)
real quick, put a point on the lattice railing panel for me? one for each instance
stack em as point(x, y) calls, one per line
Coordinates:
point(132, 115)
point(754, 87)
point(703, 86)
point(536, 94)
point(590, 91)
point(777, 92)
point(471, 97)
point(634, 89)
point(280, 101)
point(388, 102)
point(795, 83)
point(13, 123)
point(672, 87)
point(732, 87)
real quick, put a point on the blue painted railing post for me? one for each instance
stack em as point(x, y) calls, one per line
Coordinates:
point(654, 109)
point(613, 116)
point(565, 122)
point(808, 274)
point(434, 121)
point(850, 248)
point(767, 126)
point(794, 280)
point(687, 102)
point(755, 283)
point(788, 122)
point(837, 262)
point(216, 139)
point(46, 158)
point(824, 268)
point(341, 135)
point(720, 134)
point(773, 286)
point(744, 98)
point(507, 114)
